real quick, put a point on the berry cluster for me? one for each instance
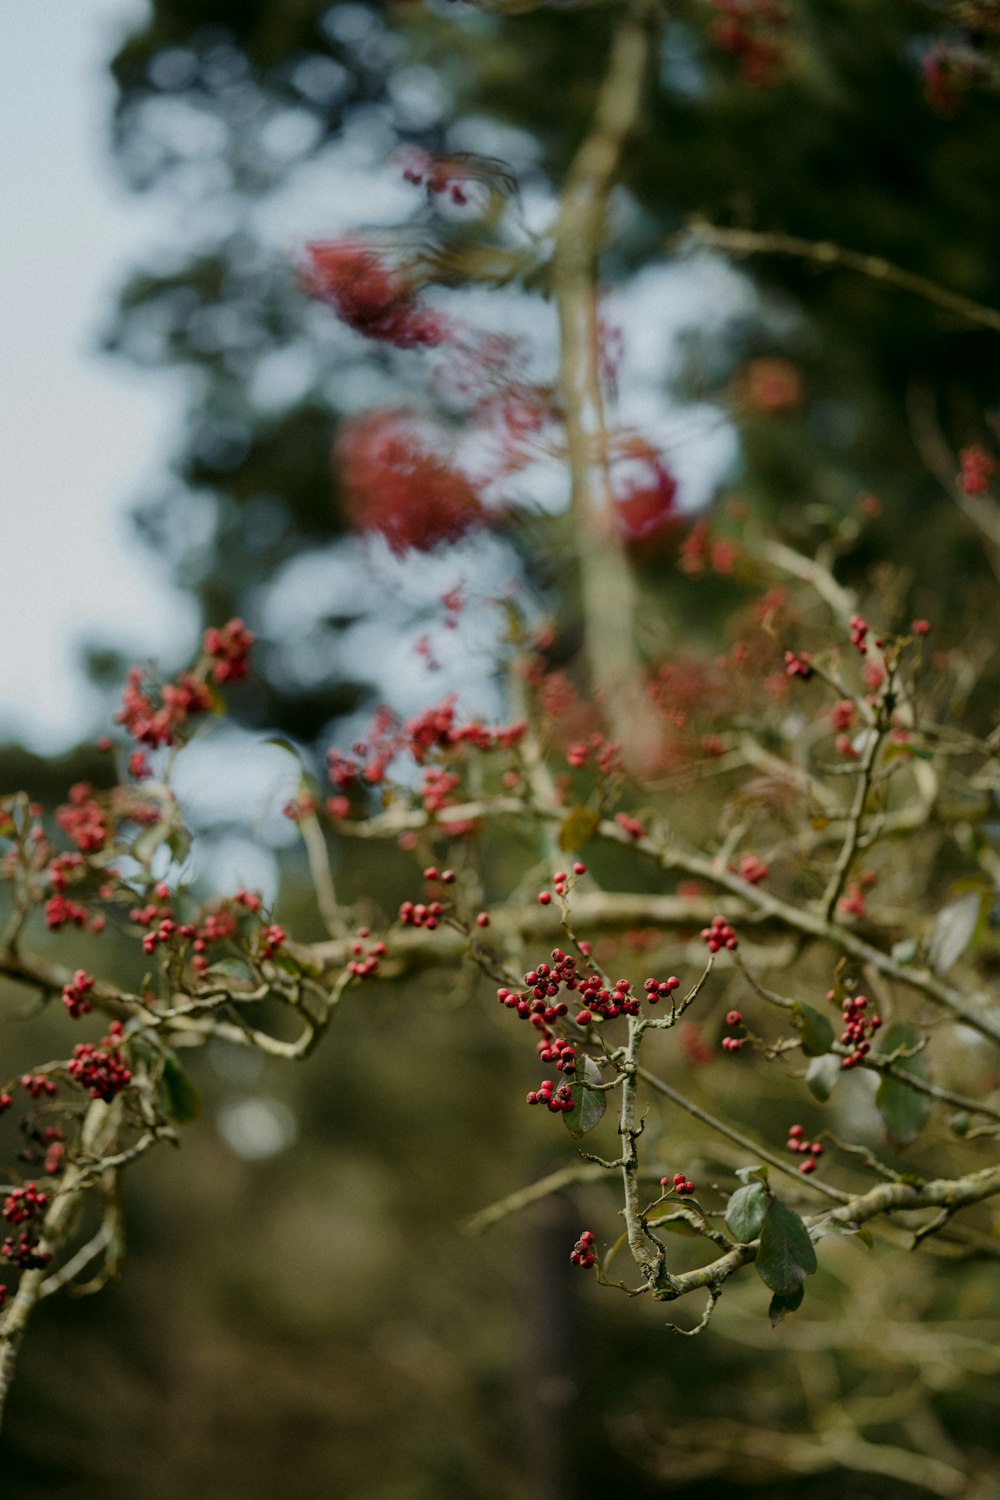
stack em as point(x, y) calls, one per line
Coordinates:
point(37, 1085)
point(582, 1254)
point(24, 1203)
point(752, 870)
point(83, 821)
point(607, 754)
point(270, 939)
point(540, 1003)
point(101, 1069)
point(630, 825)
point(419, 914)
point(230, 646)
point(365, 964)
point(858, 1029)
point(811, 1150)
point(75, 993)
point(679, 1184)
point(660, 989)
point(745, 28)
point(977, 470)
point(24, 1253)
point(371, 297)
point(557, 1050)
point(558, 1100)
point(719, 935)
point(152, 726)
point(859, 633)
point(797, 664)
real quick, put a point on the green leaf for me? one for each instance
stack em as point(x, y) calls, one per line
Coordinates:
point(952, 931)
point(786, 1255)
point(746, 1211)
point(904, 1111)
point(589, 1104)
point(814, 1029)
point(752, 1174)
point(904, 952)
point(180, 1098)
point(179, 843)
point(822, 1075)
point(783, 1303)
point(579, 825)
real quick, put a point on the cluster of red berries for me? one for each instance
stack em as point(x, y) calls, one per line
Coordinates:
point(562, 884)
point(541, 1005)
point(24, 1203)
point(977, 470)
point(719, 935)
point(858, 1029)
point(557, 1050)
point(24, 1253)
point(365, 964)
point(811, 1150)
point(558, 1100)
point(797, 664)
point(270, 939)
point(744, 28)
point(660, 989)
point(543, 988)
point(752, 870)
point(75, 993)
point(37, 1085)
point(733, 1043)
point(375, 299)
point(230, 646)
point(630, 825)
point(61, 912)
point(101, 1069)
point(420, 914)
point(83, 820)
point(859, 632)
point(152, 726)
point(679, 1184)
point(582, 1254)
point(607, 754)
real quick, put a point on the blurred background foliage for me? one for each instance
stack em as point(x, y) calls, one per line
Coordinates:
point(301, 1315)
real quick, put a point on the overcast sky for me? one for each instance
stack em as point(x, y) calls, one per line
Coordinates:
point(80, 434)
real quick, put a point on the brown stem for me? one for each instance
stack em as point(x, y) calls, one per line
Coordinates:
point(607, 586)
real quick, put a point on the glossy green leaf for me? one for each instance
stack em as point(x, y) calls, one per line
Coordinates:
point(904, 1111)
point(814, 1029)
point(589, 1104)
point(579, 825)
point(952, 931)
point(783, 1303)
point(746, 1211)
point(822, 1075)
point(752, 1174)
point(786, 1255)
point(181, 1100)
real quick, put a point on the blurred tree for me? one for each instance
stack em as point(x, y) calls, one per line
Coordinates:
point(230, 106)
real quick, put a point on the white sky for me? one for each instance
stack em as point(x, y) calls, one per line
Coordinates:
point(81, 435)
